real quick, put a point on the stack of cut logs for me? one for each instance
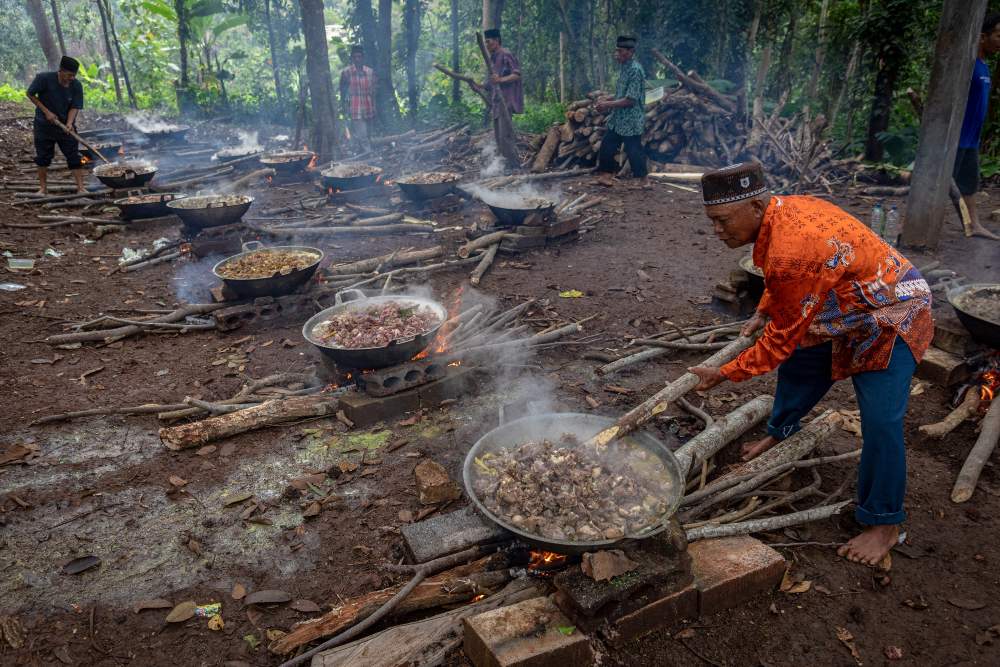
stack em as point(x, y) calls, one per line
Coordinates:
point(694, 123)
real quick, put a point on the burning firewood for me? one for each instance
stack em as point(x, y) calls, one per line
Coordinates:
point(967, 409)
point(965, 485)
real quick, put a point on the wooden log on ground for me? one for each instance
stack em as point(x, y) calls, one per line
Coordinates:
point(702, 446)
point(792, 448)
point(544, 155)
point(661, 400)
point(966, 410)
point(965, 485)
point(369, 230)
point(424, 643)
point(111, 335)
point(484, 264)
point(766, 525)
point(397, 259)
point(389, 219)
point(467, 249)
point(725, 102)
point(266, 414)
point(248, 179)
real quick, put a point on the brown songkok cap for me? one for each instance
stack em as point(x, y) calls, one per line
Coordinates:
point(733, 183)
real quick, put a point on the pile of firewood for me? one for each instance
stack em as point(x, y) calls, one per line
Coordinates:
point(696, 124)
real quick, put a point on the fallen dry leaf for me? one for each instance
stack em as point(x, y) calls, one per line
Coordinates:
point(305, 606)
point(405, 516)
point(182, 612)
point(216, 623)
point(968, 604)
point(275, 634)
point(847, 639)
point(686, 633)
point(893, 653)
point(81, 564)
point(237, 498)
point(158, 603)
point(11, 631)
point(791, 586)
point(239, 591)
point(312, 510)
point(919, 604)
point(15, 453)
point(347, 466)
point(410, 421)
point(177, 481)
point(267, 597)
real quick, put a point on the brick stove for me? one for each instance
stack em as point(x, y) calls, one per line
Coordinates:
point(673, 582)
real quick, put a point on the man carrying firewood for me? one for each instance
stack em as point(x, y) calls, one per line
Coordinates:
point(357, 98)
point(58, 98)
point(627, 118)
point(506, 72)
point(838, 302)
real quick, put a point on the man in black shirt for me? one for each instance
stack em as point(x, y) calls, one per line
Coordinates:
point(58, 97)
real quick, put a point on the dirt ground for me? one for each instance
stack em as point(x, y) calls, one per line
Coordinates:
point(99, 486)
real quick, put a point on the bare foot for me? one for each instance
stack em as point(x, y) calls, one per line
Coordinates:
point(754, 449)
point(605, 180)
point(979, 230)
point(643, 184)
point(39, 193)
point(871, 546)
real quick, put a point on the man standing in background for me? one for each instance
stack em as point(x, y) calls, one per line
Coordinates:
point(506, 72)
point(58, 98)
point(628, 117)
point(966, 172)
point(357, 98)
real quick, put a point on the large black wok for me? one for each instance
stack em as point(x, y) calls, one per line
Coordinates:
point(146, 206)
point(287, 162)
point(970, 303)
point(430, 185)
point(123, 175)
point(350, 176)
point(168, 134)
point(210, 210)
point(513, 209)
point(394, 353)
point(276, 285)
point(553, 427)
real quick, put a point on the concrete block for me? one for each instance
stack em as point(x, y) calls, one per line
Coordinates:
point(943, 368)
point(664, 612)
point(525, 635)
point(728, 571)
point(447, 533)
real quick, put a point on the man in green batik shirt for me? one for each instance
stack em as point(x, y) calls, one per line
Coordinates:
point(628, 117)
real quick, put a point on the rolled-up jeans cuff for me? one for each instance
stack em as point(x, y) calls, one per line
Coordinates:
point(780, 433)
point(870, 519)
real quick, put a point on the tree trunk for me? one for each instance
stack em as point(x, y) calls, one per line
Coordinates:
point(941, 122)
point(852, 65)
point(820, 56)
point(411, 22)
point(492, 13)
point(324, 117)
point(456, 90)
point(183, 35)
point(44, 34)
point(121, 59)
point(878, 120)
point(107, 48)
point(275, 69)
point(55, 19)
point(784, 76)
point(572, 16)
point(386, 105)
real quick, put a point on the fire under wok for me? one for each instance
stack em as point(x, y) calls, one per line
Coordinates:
point(635, 459)
point(396, 352)
point(286, 268)
point(210, 210)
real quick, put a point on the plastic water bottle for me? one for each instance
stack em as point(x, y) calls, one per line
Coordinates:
point(877, 219)
point(892, 226)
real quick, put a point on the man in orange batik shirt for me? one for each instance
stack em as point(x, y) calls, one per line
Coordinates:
point(838, 302)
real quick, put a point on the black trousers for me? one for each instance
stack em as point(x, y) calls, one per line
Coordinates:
point(46, 137)
point(610, 144)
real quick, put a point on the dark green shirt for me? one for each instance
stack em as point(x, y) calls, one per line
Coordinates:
point(631, 84)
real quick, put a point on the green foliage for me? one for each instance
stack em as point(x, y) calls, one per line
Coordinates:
point(540, 117)
point(9, 93)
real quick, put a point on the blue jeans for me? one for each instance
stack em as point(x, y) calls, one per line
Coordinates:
point(804, 378)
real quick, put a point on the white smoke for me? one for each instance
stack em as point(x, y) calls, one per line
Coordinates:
point(146, 122)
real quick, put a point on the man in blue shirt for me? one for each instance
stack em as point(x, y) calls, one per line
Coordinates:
point(58, 97)
point(966, 172)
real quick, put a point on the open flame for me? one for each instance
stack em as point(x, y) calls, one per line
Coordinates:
point(84, 159)
point(990, 382)
point(546, 561)
point(479, 597)
point(312, 163)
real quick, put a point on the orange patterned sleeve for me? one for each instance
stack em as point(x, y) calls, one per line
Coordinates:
point(792, 304)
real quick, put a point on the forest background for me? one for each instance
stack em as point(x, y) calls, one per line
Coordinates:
point(851, 60)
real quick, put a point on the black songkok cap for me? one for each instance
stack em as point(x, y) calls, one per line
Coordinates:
point(357, 48)
point(69, 64)
point(733, 183)
point(492, 33)
point(626, 42)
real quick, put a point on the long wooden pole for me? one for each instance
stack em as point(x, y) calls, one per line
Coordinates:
point(980, 454)
point(661, 400)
